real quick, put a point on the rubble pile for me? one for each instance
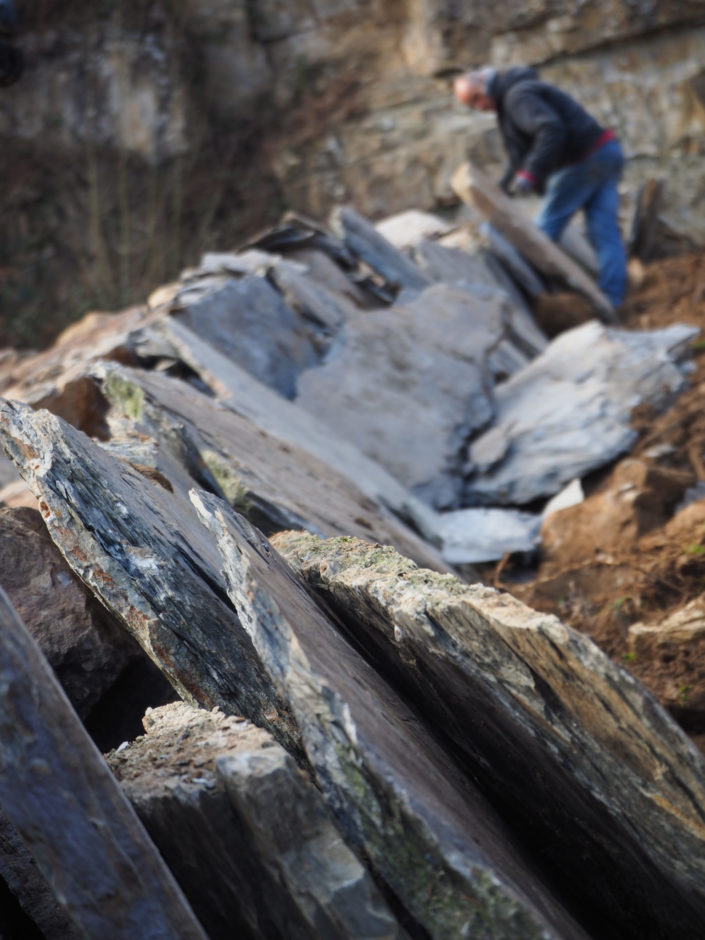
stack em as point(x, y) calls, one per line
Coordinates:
point(257, 519)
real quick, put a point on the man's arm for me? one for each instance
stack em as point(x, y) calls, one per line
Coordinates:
point(543, 126)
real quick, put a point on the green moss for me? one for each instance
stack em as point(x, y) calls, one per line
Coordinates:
point(236, 493)
point(448, 903)
point(125, 395)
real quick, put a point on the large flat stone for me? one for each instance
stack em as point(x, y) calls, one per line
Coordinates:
point(411, 383)
point(569, 410)
point(247, 836)
point(428, 833)
point(607, 789)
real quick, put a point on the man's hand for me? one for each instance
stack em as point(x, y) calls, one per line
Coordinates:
point(522, 185)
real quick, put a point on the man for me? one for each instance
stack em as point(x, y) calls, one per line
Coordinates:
point(555, 148)
point(11, 59)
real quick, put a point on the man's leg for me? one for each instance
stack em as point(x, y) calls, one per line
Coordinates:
point(567, 192)
point(602, 214)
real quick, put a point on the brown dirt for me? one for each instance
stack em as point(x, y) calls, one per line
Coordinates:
point(629, 554)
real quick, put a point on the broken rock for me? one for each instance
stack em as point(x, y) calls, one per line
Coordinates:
point(569, 410)
point(247, 836)
point(411, 383)
point(606, 788)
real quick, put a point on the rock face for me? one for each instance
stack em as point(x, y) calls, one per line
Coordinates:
point(491, 677)
point(246, 109)
point(231, 804)
point(599, 399)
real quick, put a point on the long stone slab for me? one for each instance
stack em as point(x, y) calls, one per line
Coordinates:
point(367, 244)
point(287, 421)
point(606, 788)
point(476, 188)
point(276, 484)
point(68, 810)
point(427, 832)
point(140, 548)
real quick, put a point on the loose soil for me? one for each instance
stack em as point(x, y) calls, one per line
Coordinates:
point(634, 552)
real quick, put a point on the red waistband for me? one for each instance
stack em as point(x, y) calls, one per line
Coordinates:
point(600, 142)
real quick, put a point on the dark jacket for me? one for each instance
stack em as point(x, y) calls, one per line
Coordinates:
point(542, 128)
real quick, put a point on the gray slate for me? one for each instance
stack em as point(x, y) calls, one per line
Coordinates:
point(139, 547)
point(291, 424)
point(411, 383)
point(569, 411)
point(367, 244)
point(67, 809)
point(197, 441)
point(244, 831)
point(249, 321)
point(428, 834)
point(608, 790)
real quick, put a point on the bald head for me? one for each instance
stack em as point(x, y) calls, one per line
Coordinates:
point(471, 89)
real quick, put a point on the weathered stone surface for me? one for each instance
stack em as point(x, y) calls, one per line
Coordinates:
point(292, 425)
point(125, 536)
point(58, 795)
point(569, 410)
point(601, 781)
point(410, 384)
point(248, 837)
point(324, 311)
point(249, 321)
point(275, 483)
point(31, 890)
point(86, 647)
point(366, 243)
point(427, 832)
point(56, 378)
point(472, 185)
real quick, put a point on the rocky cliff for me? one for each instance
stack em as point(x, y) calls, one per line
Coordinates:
point(141, 135)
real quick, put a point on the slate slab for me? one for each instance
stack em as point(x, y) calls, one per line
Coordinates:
point(428, 834)
point(608, 790)
point(568, 412)
point(247, 835)
point(410, 385)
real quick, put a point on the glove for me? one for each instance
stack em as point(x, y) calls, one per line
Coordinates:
point(522, 185)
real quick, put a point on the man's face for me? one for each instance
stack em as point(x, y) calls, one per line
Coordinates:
point(472, 96)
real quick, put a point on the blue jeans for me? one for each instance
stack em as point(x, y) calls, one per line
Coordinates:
point(591, 185)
